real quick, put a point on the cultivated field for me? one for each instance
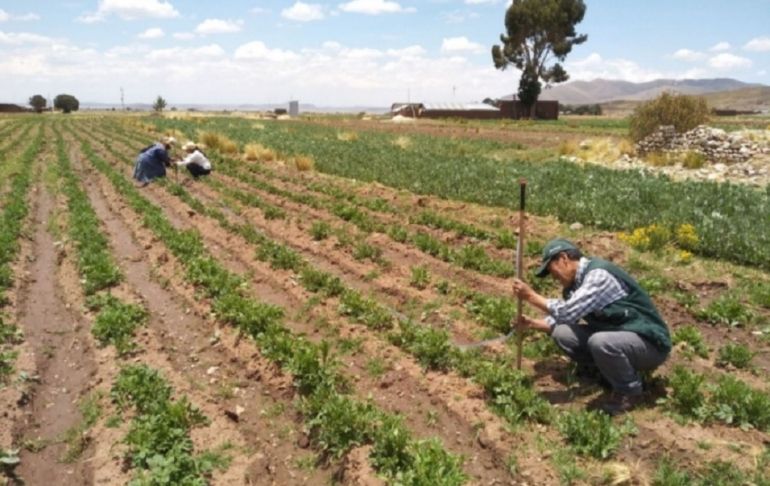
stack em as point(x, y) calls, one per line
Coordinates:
point(298, 316)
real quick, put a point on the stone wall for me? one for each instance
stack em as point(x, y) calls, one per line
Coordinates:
point(713, 143)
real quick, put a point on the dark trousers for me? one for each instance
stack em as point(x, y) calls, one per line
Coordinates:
point(197, 171)
point(619, 355)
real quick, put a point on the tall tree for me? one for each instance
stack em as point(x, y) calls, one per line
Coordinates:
point(537, 33)
point(159, 104)
point(66, 103)
point(38, 103)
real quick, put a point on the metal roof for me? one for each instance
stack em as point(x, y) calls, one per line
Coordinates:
point(459, 107)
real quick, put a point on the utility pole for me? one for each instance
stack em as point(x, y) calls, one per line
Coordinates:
point(122, 102)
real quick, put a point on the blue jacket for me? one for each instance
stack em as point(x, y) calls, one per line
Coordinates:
point(151, 163)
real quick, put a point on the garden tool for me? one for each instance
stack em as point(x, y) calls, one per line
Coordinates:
point(517, 328)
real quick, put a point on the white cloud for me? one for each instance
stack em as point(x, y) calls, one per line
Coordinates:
point(258, 51)
point(152, 33)
point(688, 55)
point(23, 38)
point(258, 10)
point(481, 2)
point(729, 61)
point(131, 10)
point(373, 7)
point(303, 12)
point(218, 26)
point(181, 54)
point(183, 36)
point(720, 47)
point(459, 45)
point(458, 16)
point(5, 16)
point(758, 44)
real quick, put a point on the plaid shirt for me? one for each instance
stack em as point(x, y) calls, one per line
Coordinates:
point(594, 290)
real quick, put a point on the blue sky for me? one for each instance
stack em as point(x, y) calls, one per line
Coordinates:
point(350, 52)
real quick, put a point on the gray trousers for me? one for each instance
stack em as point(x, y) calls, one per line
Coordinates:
point(619, 355)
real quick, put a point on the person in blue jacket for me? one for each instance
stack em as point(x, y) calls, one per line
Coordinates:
point(153, 160)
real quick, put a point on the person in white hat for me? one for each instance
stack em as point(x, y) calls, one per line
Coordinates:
point(153, 160)
point(196, 161)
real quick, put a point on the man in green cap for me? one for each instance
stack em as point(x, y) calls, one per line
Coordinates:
point(623, 332)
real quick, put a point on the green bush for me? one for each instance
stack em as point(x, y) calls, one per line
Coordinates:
point(681, 111)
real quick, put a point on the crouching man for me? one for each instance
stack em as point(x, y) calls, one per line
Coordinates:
point(622, 334)
point(196, 161)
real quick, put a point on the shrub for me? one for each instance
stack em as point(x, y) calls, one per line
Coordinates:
point(681, 111)
point(649, 238)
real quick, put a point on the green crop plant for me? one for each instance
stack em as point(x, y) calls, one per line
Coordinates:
point(116, 322)
point(420, 277)
point(509, 392)
point(493, 312)
point(759, 293)
point(687, 396)
point(431, 347)
point(320, 230)
point(430, 245)
point(438, 221)
point(398, 233)
point(211, 276)
point(506, 239)
point(318, 281)
point(366, 251)
point(734, 402)
point(279, 256)
point(592, 433)
point(364, 310)
point(692, 341)
point(728, 310)
point(737, 355)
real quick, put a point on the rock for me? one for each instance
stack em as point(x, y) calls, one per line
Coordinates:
point(576, 226)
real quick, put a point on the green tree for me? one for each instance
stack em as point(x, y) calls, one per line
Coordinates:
point(159, 104)
point(682, 111)
point(66, 103)
point(38, 103)
point(538, 32)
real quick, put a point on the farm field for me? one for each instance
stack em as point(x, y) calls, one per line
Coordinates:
point(299, 316)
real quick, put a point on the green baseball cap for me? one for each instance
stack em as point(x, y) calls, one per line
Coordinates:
point(551, 249)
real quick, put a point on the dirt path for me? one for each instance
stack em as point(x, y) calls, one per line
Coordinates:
point(64, 362)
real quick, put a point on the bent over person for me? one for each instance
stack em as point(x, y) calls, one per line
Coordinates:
point(196, 161)
point(152, 161)
point(622, 335)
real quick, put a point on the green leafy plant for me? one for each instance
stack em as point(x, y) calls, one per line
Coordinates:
point(591, 433)
point(738, 355)
point(320, 230)
point(728, 310)
point(420, 277)
point(691, 339)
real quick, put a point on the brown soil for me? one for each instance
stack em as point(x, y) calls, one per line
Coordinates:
point(64, 364)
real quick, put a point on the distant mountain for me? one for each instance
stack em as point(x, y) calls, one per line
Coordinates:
point(605, 90)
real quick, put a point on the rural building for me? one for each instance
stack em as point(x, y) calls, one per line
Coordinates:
point(9, 108)
point(507, 107)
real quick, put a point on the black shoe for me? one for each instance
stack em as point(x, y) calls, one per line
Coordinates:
point(618, 404)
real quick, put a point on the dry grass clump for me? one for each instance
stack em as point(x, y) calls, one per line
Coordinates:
point(258, 126)
point(258, 152)
point(568, 147)
point(626, 147)
point(693, 160)
point(347, 136)
point(658, 159)
point(218, 142)
point(304, 163)
point(402, 142)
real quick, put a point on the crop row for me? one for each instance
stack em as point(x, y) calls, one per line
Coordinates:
point(14, 213)
point(337, 421)
point(509, 392)
point(730, 219)
point(159, 445)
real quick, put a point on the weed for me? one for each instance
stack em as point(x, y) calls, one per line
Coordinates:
point(376, 366)
point(352, 345)
point(303, 163)
point(443, 287)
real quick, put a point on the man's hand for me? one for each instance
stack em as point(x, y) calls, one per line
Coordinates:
point(521, 289)
point(534, 324)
